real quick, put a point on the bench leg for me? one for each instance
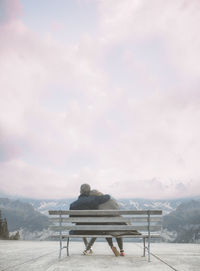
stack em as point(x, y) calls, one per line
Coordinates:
point(149, 253)
point(60, 253)
point(68, 246)
point(144, 247)
point(149, 236)
point(60, 235)
point(60, 247)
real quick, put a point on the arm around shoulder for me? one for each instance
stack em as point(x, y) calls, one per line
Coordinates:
point(104, 198)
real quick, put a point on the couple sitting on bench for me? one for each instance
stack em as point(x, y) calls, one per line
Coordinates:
point(95, 200)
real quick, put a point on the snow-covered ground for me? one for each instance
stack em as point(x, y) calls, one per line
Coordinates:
point(43, 256)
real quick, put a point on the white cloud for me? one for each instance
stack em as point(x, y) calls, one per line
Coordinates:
point(65, 120)
point(174, 23)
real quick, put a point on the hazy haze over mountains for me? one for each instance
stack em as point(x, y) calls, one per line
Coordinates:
point(181, 217)
point(134, 204)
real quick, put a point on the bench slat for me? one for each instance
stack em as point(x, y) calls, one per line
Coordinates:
point(105, 228)
point(104, 212)
point(105, 219)
point(104, 236)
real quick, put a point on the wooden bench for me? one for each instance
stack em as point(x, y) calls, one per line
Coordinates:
point(146, 222)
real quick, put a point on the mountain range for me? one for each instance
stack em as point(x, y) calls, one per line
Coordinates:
point(22, 215)
point(184, 222)
point(43, 206)
point(181, 217)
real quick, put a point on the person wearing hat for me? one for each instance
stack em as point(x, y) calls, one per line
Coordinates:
point(86, 201)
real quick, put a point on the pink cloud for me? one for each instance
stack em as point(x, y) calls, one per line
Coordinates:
point(56, 26)
point(61, 103)
point(10, 10)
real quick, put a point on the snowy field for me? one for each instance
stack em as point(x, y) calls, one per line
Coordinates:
point(43, 256)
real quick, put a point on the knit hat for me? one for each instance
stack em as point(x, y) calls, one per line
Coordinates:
point(85, 189)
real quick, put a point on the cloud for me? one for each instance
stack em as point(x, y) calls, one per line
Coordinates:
point(10, 10)
point(174, 24)
point(44, 182)
point(118, 110)
point(27, 179)
point(8, 150)
point(56, 26)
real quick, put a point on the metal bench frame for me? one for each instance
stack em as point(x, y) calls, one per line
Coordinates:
point(147, 222)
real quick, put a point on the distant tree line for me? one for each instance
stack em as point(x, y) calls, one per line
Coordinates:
point(4, 233)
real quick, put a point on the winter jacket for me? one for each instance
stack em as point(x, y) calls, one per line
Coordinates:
point(111, 204)
point(88, 202)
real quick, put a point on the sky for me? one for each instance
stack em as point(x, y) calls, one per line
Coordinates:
point(105, 92)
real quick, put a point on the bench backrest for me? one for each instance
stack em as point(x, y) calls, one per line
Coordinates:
point(144, 221)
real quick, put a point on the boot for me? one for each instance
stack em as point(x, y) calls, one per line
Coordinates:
point(115, 251)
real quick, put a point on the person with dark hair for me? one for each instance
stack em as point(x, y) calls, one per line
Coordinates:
point(86, 201)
